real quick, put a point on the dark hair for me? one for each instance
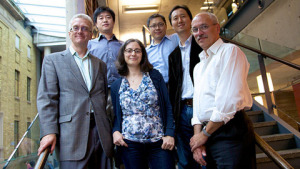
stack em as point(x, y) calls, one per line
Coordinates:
point(183, 7)
point(155, 16)
point(101, 9)
point(122, 65)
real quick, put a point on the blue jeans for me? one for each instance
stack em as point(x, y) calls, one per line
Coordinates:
point(184, 134)
point(145, 155)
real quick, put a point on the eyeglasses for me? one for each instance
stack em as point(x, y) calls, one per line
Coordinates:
point(159, 25)
point(129, 51)
point(203, 27)
point(83, 29)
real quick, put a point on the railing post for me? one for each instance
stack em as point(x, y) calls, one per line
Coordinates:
point(266, 84)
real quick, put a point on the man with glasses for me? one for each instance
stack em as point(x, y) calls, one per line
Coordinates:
point(181, 65)
point(106, 47)
point(222, 131)
point(71, 103)
point(161, 45)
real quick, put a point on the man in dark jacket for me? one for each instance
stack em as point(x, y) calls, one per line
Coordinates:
point(181, 65)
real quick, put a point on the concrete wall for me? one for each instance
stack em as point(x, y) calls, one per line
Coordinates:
point(279, 23)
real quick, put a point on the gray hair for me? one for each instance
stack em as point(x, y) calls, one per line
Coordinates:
point(83, 16)
point(212, 17)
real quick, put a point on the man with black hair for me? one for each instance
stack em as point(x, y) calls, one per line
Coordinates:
point(106, 47)
point(161, 46)
point(181, 65)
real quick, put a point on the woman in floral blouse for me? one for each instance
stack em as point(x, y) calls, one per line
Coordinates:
point(143, 126)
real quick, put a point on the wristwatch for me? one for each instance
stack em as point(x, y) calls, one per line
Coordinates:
point(205, 132)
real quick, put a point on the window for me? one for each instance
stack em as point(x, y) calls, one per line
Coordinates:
point(16, 135)
point(28, 51)
point(17, 81)
point(29, 131)
point(17, 42)
point(28, 88)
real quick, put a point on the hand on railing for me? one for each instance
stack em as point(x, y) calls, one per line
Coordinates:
point(42, 158)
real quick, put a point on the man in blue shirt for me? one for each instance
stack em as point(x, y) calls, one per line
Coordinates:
point(161, 46)
point(106, 47)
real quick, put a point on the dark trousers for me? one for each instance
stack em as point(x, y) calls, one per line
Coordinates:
point(146, 155)
point(95, 157)
point(232, 146)
point(183, 136)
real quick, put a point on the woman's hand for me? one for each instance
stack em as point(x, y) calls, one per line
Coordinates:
point(168, 143)
point(118, 139)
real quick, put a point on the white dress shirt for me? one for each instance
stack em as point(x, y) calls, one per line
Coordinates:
point(187, 84)
point(220, 84)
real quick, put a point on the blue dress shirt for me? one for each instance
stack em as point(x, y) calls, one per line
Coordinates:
point(107, 51)
point(158, 54)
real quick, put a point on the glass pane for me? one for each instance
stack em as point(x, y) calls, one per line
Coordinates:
point(27, 151)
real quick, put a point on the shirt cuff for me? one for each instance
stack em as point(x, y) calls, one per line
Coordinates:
point(219, 117)
point(195, 121)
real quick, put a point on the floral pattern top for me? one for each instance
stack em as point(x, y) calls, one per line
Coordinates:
point(141, 121)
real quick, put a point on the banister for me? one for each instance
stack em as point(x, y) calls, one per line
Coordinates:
point(42, 159)
point(270, 152)
point(293, 65)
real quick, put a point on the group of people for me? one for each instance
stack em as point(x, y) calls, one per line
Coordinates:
point(179, 101)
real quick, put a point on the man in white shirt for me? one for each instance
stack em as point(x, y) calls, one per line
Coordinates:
point(222, 131)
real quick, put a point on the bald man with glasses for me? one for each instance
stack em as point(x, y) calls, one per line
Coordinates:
point(223, 133)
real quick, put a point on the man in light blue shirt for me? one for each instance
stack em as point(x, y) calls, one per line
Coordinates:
point(161, 46)
point(106, 46)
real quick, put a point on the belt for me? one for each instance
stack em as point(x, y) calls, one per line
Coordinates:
point(188, 102)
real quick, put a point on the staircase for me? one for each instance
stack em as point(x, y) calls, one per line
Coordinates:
point(284, 139)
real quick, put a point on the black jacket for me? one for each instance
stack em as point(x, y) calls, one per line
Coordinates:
point(176, 76)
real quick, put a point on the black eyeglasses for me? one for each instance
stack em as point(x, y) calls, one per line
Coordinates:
point(129, 51)
point(159, 25)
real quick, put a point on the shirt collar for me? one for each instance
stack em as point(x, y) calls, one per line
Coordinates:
point(212, 50)
point(102, 36)
point(186, 43)
point(74, 53)
point(152, 42)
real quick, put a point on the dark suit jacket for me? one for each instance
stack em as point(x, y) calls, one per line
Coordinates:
point(176, 76)
point(63, 103)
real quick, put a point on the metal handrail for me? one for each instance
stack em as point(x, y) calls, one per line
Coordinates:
point(40, 163)
point(18, 145)
point(270, 152)
point(293, 65)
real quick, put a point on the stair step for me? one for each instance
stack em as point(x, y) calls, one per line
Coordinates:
point(276, 137)
point(265, 128)
point(252, 113)
point(286, 154)
point(279, 142)
point(256, 116)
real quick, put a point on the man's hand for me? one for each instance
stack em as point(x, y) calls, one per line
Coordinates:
point(168, 143)
point(118, 139)
point(198, 140)
point(198, 154)
point(48, 140)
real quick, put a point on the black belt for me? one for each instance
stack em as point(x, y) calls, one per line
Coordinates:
point(188, 102)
